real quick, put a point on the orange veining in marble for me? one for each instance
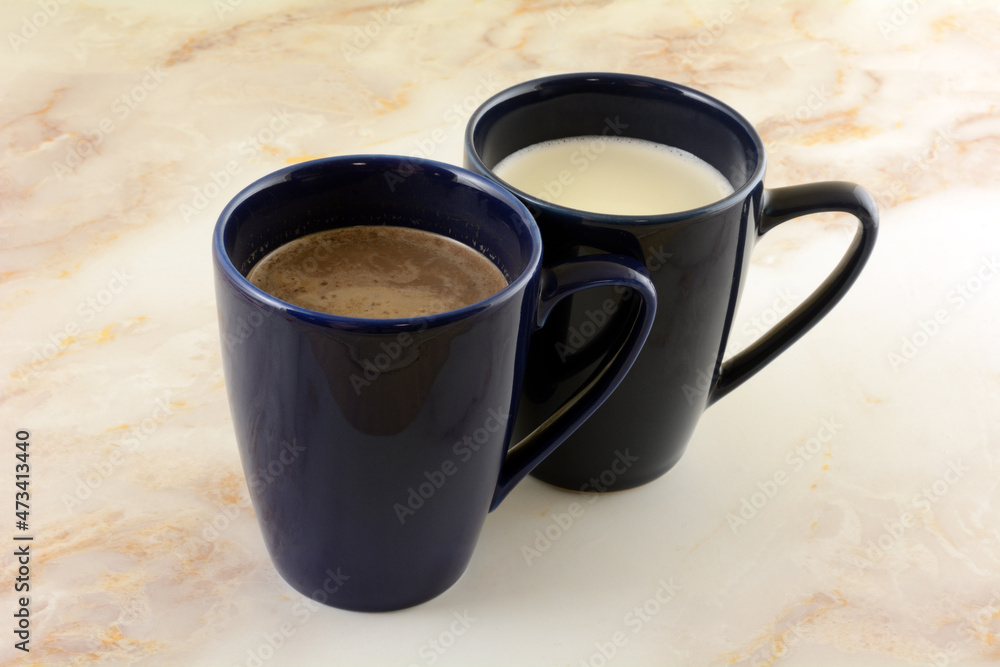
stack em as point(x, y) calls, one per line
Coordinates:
point(843, 128)
point(778, 642)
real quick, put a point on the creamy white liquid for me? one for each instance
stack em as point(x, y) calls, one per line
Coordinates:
point(617, 175)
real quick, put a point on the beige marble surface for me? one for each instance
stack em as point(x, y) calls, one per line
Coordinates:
point(840, 508)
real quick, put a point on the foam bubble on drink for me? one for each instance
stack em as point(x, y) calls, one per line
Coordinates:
point(377, 272)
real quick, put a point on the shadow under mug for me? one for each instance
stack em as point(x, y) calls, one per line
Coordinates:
point(698, 260)
point(374, 448)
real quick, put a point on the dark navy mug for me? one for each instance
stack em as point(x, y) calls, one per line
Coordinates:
point(698, 260)
point(385, 442)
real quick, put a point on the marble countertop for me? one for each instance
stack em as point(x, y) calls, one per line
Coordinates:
point(840, 508)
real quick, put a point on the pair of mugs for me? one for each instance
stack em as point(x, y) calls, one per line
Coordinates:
point(385, 443)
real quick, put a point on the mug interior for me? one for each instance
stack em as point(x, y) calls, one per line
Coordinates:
point(377, 190)
point(617, 105)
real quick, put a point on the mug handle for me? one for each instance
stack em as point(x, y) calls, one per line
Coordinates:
point(557, 283)
point(781, 205)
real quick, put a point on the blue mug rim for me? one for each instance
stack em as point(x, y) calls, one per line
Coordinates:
point(429, 169)
point(737, 197)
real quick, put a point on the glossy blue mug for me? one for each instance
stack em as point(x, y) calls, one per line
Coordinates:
point(384, 443)
point(698, 260)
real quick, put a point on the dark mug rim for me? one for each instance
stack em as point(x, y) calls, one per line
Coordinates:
point(558, 83)
point(424, 169)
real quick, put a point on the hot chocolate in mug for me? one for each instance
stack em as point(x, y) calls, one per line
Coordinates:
point(386, 441)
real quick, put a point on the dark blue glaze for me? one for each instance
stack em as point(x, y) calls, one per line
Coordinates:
point(697, 259)
point(373, 449)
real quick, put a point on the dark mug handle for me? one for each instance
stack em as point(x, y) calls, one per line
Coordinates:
point(781, 205)
point(557, 283)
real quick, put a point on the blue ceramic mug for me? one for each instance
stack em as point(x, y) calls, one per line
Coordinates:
point(374, 448)
point(698, 259)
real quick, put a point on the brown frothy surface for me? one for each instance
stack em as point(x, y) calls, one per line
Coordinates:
point(377, 272)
